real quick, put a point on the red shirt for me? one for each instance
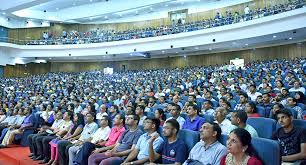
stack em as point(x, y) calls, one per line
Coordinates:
point(254, 115)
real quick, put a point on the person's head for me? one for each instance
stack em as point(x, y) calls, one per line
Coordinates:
point(132, 120)
point(59, 115)
point(285, 92)
point(284, 118)
point(129, 110)
point(259, 99)
point(296, 84)
point(119, 120)
point(207, 105)
point(160, 114)
point(250, 107)
point(191, 98)
point(239, 118)
point(140, 110)
point(192, 110)
point(2, 112)
point(113, 109)
point(266, 98)
point(279, 83)
point(176, 99)
point(229, 96)
point(171, 128)
point(208, 95)
point(20, 111)
point(175, 110)
point(151, 124)
point(276, 107)
point(299, 96)
point(103, 108)
point(220, 114)
point(243, 98)
point(239, 141)
point(27, 111)
point(291, 101)
point(104, 122)
point(90, 117)
point(252, 88)
point(78, 119)
point(210, 131)
point(68, 115)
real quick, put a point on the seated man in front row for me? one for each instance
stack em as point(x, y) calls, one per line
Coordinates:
point(292, 139)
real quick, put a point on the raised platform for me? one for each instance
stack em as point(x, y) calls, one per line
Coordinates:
point(16, 155)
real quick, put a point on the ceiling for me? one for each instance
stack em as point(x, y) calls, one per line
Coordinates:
point(105, 11)
point(288, 37)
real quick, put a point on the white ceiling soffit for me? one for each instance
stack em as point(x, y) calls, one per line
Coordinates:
point(100, 11)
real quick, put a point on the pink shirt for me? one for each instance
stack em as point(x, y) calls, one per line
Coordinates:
point(114, 135)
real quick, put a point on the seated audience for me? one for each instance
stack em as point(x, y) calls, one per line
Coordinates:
point(193, 121)
point(222, 121)
point(250, 109)
point(238, 120)
point(175, 111)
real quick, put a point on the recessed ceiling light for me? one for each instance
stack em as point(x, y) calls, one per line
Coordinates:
point(274, 36)
point(50, 58)
point(57, 8)
point(3, 13)
point(185, 56)
point(166, 5)
point(90, 0)
point(136, 11)
point(290, 38)
point(105, 17)
point(246, 44)
point(163, 51)
point(176, 52)
point(196, 48)
point(210, 48)
point(151, 8)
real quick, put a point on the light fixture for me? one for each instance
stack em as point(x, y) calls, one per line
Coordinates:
point(90, 0)
point(196, 48)
point(105, 17)
point(166, 5)
point(290, 38)
point(210, 49)
point(274, 36)
point(246, 44)
point(57, 8)
point(163, 51)
point(3, 13)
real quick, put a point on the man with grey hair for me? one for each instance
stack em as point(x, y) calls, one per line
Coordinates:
point(222, 121)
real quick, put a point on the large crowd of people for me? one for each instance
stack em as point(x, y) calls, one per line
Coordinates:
point(134, 117)
point(102, 35)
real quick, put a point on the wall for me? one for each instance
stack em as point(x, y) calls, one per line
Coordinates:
point(36, 33)
point(284, 51)
point(3, 34)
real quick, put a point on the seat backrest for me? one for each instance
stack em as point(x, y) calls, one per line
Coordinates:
point(189, 137)
point(264, 126)
point(261, 111)
point(268, 150)
point(299, 123)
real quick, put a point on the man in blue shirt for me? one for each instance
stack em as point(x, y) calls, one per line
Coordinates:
point(173, 150)
point(141, 150)
point(193, 122)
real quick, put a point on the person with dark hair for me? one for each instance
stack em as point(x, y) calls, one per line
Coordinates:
point(240, 150)
point(252, 93)
point(140, 113)
point(141, 151)
point(75, 130)
point(2, 115)
point(292, 103)
point(209, 150)
point(207, 108)
point(276, 107)
point(238, 120)
point(100, 136)
point(175, 111)
point(250, 109)
point(300, 97)
point(171, 151)
point(159, 114)
point(123, 147)
point(243, 100)
point(193, 122)
point(292, 139)
point(266, 104)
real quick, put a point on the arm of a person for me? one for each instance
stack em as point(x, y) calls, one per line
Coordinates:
point(299, 156)
point(153, 156)
point(132, 156)
point(77, 132)
point(124, 153)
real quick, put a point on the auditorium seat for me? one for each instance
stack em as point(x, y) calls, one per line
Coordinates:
point(189, 137)
point(267, 150)
point(264, 126)
point(299, 123)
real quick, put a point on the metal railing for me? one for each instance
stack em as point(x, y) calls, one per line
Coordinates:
point(109, 36)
